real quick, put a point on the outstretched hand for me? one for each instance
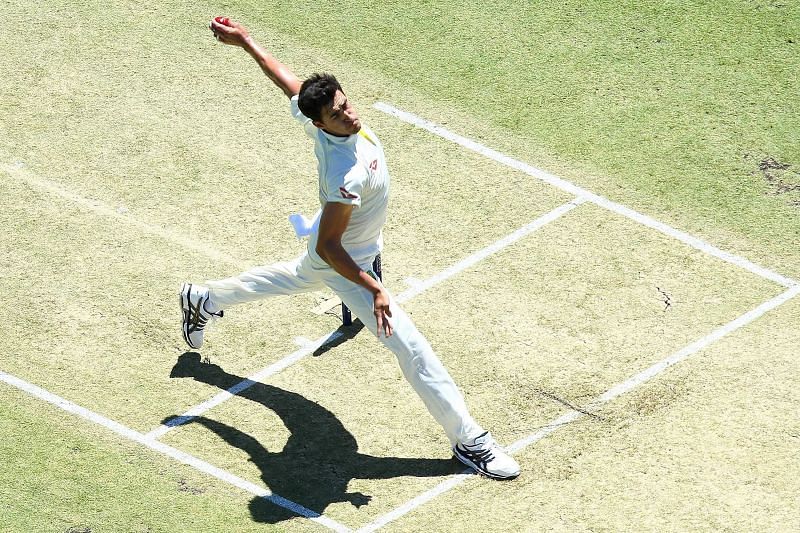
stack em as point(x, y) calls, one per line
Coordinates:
point(227, 31)
point(383, 313)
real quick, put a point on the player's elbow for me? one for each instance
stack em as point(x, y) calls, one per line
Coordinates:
point(325, 249)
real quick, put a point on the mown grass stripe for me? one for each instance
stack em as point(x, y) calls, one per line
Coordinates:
point(171, 235)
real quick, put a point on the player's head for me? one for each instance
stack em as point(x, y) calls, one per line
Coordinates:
point(324, 102)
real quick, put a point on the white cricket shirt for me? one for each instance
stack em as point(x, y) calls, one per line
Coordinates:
point(352, 170)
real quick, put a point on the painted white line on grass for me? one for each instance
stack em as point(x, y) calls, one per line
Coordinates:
point(611, 394)
point(696, 346)
point(245, 384)
point(441, 488)
point(169, 451)
point(480, 255)
point(303, 342)
point(121, 214)
point(412, 281)
point(579, 191)
point(310, 347)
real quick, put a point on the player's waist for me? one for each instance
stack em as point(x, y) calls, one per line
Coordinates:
point(362, 252)
point(362, 246)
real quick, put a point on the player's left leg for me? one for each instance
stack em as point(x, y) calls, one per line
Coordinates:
point(471, 444)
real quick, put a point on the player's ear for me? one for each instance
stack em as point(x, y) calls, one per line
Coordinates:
point(318, 124)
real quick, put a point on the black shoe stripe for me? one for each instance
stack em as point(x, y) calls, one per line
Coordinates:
point(186, 309)
point(482, 470)
point(481, 459)
point(194, 316)
point(480, 466)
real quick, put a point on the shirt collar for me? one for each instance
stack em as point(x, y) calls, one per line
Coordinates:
point(350, 139)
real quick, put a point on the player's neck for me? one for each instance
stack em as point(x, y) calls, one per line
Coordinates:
point(342, 135)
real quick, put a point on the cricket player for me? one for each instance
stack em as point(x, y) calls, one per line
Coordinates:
point(353, 193)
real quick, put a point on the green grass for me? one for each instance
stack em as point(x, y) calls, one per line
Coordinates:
point(62, 472)
point(669, 107)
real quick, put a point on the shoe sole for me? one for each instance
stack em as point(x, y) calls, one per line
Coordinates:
point(183, 301)
point(481, 470)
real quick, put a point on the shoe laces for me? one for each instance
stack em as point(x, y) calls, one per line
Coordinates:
point(480, 451)
point(484, 455)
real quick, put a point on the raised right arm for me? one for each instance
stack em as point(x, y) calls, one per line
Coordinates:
point(233, 33)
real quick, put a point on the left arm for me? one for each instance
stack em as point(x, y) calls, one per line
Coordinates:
point(332, 224)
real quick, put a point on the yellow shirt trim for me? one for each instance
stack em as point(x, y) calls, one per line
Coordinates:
point(367, 137)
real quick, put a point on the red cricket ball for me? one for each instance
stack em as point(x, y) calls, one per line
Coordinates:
point(223, 20)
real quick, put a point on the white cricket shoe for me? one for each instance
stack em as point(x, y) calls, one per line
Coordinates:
point(195, 316)
point(487, 457)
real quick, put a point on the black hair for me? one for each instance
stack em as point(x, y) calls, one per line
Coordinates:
point(317, 92)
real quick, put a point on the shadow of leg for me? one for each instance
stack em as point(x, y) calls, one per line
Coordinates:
point(342, 335)
point(318, 460)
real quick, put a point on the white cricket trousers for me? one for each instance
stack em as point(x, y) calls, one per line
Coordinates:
point(420, 365)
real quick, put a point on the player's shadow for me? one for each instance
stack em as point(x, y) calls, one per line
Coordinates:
point(339, 337)
point(319, 458)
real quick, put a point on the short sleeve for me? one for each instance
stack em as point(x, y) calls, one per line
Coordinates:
point(347, 189)
point(308, 126)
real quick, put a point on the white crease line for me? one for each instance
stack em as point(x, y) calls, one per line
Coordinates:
point(696, 346)
point(424, 285)
point(119, 214)
point(412, 282)
point(226, 395)
point(427, 496)
point(303, 342)
point(611, 394)
point(579, 191)
point(169, 451)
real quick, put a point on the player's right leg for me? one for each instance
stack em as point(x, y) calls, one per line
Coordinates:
point(202, 303)
point(196, 315)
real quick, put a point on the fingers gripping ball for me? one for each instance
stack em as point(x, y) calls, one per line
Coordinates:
point(219, 21)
